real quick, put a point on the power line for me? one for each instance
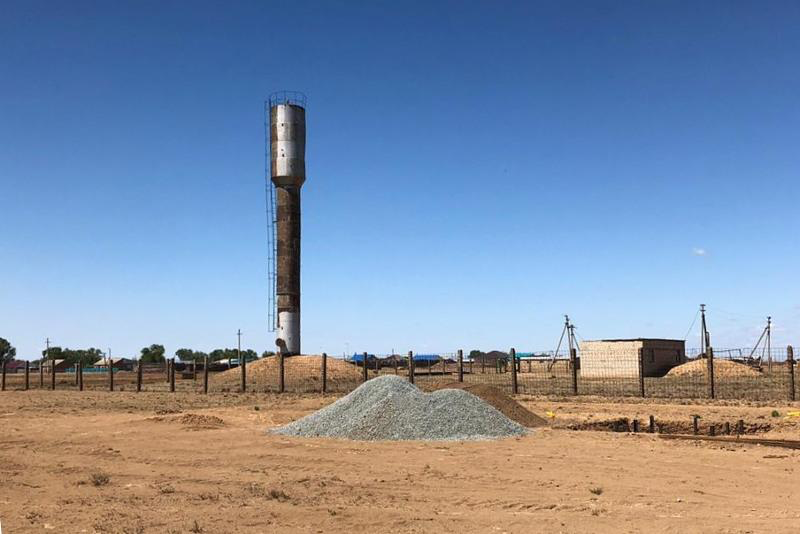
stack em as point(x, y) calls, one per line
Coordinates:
point(686, 336)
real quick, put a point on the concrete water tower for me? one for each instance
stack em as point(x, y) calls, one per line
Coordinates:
point(287, 132)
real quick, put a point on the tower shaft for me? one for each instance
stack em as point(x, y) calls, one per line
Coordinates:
point(288, 173)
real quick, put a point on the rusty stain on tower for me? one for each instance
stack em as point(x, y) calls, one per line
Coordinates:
point(287, 116)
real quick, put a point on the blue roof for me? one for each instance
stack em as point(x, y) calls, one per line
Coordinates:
point(360, 357)
point(426, 358)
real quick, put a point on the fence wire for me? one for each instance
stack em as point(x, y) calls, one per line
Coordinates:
point(734, 375)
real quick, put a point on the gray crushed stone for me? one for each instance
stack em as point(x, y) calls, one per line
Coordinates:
point(389, 408)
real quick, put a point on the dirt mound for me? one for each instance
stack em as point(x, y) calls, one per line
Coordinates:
point(722, 368)
point(200, 421)
point(192, 421)
point(300, 372)
point(500, 401)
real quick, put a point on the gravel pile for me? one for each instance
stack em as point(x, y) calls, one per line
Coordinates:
point(389, 408)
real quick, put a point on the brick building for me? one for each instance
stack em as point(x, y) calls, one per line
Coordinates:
point(619, 358)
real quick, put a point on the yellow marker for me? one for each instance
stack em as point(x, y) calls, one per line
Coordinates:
point(551, 415)
point(792, 414)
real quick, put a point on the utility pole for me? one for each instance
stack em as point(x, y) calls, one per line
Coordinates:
point(565, 330)
point(242, 363)
point(704, 337)
point(769, 343)
point(239, 346)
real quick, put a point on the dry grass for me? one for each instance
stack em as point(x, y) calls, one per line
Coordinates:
point(99, 478)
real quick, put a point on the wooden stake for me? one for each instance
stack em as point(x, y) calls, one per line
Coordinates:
point(573, 364)
point(641, 372)
point(695, 425)
point(41, 373)
point(172, 375)
point(3, 381)
point(53, 374)
point(138, 376)
point(110, 375)
point(281, 372)
point(790, 368)
point(27, 375)
point(411, 367)
point(460, 365)
point(514, 387)
point(740, 427)
point(80, 376)
point(727, 428)
point(635, 426)
point(652, 428)
point(205, 376)
point(710, 372)
point(365, 367)
point(243, 365)
point(325, 372)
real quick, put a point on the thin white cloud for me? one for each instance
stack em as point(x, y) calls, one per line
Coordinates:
point(699, 251)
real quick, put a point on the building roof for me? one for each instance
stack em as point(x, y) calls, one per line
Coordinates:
point(360, 357)
point(104, 361)
point(426, 357)
point(637, 339)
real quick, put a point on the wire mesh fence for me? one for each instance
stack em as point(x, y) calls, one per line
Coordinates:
point(726, 374)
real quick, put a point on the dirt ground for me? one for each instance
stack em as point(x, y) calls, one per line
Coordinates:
point(159, 462)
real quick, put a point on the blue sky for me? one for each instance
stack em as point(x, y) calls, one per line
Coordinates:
point(475, 171)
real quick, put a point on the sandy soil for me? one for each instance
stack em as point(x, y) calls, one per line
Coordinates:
point(159, 462)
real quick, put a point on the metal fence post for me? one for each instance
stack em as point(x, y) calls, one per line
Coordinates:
point(281, 372)
point(138, 376)
point(573, 365)
point(411, 367)
point(460, 365)
point(641, 372)
point(790, 365)
point(365, 368)
point(205, 376)
point(710, 365)
point(27, 375)
point(513, 355)
point(324, 372)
